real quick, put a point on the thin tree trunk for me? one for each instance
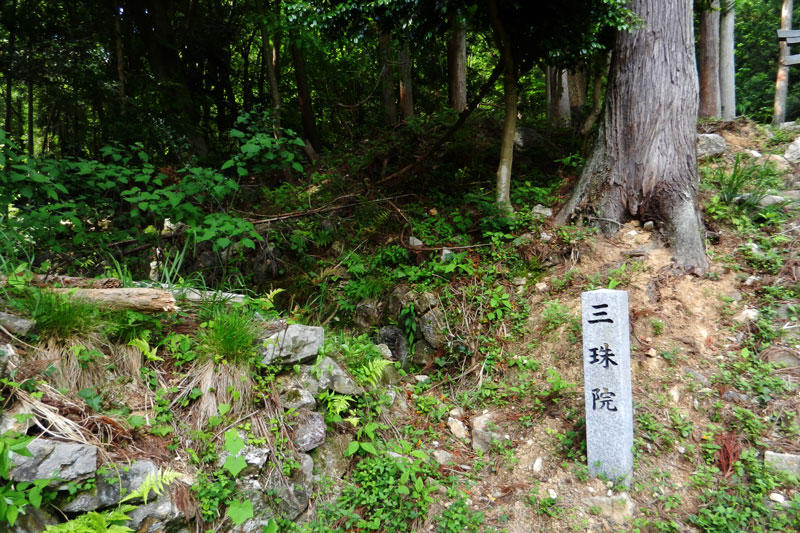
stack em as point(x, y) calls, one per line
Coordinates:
point(644, 162)
point(597, 96)
point(503, 187)
point(558, 108)
point(119, 52)
point(12, 38)
point(304, 99)
point(782, 81)
point(406, 91)
point(457, 64)
point(709, 62)
point(269, 56)
point(577, 81)
point(387, 78)
point(727, 70)
point(30, 117)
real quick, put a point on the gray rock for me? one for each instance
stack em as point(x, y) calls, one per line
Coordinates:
point(432, 324)
point(698, 377)
point(541, 210)
point(291, 495)
point(295, 344)
point(293, 396)
point(424, 302)
point(111, 487)
point(442, 457)
point(33, 520)
point(385, 351)
point(397, 300)
point(778, 161)
point(792, 154)
point(792, 195)
point(159, 516)
point(329, 375)
point(447, 253)
point(368, 313)
point(484, 432)
point(771, 199)
point(17, 418)
point(789, 126)
point(423, 353)
point(309, 430)
point(413, 241)
point(330, 460)
point(66, 461)
point(649, 225)
point(735, 397)
point(710, 144)
point(7, 354)
point(394, 338)
point(255, 457)
point(526, 138)
point(785, 462)
point(618, 507)
point(16, 324)
point(781, 355)
point(458, 428)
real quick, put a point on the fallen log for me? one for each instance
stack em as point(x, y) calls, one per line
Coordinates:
point(45, 280)
point(134, 298)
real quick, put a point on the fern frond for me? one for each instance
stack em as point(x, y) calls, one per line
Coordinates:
point(156, 482)
point(372, 371)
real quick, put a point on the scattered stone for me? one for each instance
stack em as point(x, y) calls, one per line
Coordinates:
point(538, 464)
point(777, 497)
point(748, 314)
point(296, 397)
point(752, 280)
point(652, 352)
point(111, 487)
point(793, 196)
point(789, 126)
point(295, 344)
point(781, 355)
point(33, 520)
point(442, 457)
point(17, 418)
point(698, 377)
point(792, 154)
point(753, 153)
point(519, 281)
point(447, 253)
point(67, 461)
point(330, 458)
point(431, 324)
point(771, 199)
point(385, 351)
point(413, 241)
point(649, 225)
point(541, 210)
point(619, 507)
point(254, 456)
point(785, 462)
point(157, 516)
point(484, 432)
point(709, 145)
point(553, 495)
point(735, 397)
point(309, 430)
point(330, 375)
point(422, 378)
point(674, 394)
point(368, 313)
point(458, 428)
point(16, 324)
point(394, 338)
point(423, 353)
point(541, 286)
point(457, 412)
point(7, 353)
point(779, 161)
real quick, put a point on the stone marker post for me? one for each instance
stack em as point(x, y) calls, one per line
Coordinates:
point(607, 384)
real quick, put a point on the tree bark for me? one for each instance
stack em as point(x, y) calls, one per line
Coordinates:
point(269, 57)
point(137, 299)
point(29, 84)
point(577, 82)
point(457, 64)
point(119, 52)
point(644, 161)
point(387, 78)
point(709, 61)
point(727, 70)
point(782, 81)
point(406, 91)
point(558, 108)
point(503, 187)
point(9, 119)
point(304, 99)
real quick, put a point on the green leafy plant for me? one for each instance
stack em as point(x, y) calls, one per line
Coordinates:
point(15, 496)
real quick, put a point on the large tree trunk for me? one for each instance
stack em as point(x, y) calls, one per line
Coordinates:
point(709, 61)
point(644, 163)
point(727, 70)
point(406, 91)
point(782, 82)
point(503, 187)
point(577, 82)
point(304, 99)
point(387, 78)
point(457, 64)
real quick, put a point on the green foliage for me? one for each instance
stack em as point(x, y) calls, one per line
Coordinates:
point(16, 496)
point(229, 336)
point(458, 518)
point(58, 315)
point(750, 374)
